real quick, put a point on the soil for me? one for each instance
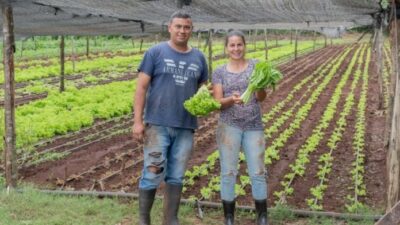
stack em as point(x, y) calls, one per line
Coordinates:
point(105, 157)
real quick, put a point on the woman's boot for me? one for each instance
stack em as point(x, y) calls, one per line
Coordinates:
point(172, 199)
point(229, 212)
point(146, 199)
point(261, 211)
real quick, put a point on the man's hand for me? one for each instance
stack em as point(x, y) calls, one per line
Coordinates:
point(138, 131)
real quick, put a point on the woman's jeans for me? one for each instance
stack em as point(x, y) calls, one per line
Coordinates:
point(166, 153)
point(229, 140)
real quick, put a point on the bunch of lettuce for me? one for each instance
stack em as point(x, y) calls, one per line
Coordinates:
point(202, 103)
point(264, 75)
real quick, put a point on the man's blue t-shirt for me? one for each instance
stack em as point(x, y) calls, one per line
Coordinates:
point(175, 77)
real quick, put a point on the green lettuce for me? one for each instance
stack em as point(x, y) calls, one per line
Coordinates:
point(202, 103)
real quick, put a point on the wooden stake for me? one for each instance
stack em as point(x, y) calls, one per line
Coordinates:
point(295, 46)
point(255, 39)
point(394, 145)
point(141, 45)
point(199, 40)
point(210, 53)
point(22, 47)
point(62, 63)
point(379, 49)
point(266, 44)
point(314, 39)
point(9, 103)
point(73, 53)
point(291, 35)
point(87, 47)
point(391, 217)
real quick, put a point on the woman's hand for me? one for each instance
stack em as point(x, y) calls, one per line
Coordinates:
point(236, 98)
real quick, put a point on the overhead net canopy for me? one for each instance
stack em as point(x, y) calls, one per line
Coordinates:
point(143, 17)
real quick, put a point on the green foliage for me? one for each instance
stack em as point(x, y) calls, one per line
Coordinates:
point(202, 103)
point(71, 110)
point(384, 4)
point(264, 75)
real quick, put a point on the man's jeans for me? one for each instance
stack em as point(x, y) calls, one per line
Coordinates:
point(229, 140)
point(166, 153)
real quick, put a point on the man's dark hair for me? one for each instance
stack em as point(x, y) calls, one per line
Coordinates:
point(179, 14)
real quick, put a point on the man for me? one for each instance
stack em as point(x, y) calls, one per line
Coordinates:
point(170, 73)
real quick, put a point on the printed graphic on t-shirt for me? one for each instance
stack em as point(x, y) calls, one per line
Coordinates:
point(180, 71)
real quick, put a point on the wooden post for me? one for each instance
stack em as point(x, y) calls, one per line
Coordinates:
point(9, 103)
point(379, 49)
point(133, 42)
point(295, 45)
point(394, 145)
point(325, 40)
point(22, 47)
point(391, 217)
point(255, 39)
point(62, 60)
point(210, 53)
point(141, 45)
point(276, 39)
point(87, 46)
point(198, 40)
point(266, 44)
point(291, 35)
point(314, 40)
point(331, 41)
point(73, 55)
point(34, 43)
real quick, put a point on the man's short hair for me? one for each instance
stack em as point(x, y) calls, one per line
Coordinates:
point(179, 14)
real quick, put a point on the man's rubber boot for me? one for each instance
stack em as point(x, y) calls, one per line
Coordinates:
point(261, 212)
point(146, 199)
point(172, 199)
point(229, 212)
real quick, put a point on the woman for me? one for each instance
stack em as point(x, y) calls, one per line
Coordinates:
point(239, 126)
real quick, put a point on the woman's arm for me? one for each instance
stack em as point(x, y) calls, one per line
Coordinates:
point(260, 95)
point(227, 101)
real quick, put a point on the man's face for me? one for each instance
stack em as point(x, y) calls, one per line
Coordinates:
point(180, 30)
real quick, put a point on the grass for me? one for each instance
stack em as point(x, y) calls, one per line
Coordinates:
point(32, 207)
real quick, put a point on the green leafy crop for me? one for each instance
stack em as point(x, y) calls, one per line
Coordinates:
point(264, 75)
point(202, 103)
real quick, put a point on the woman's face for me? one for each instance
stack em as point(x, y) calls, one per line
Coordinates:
point(235, 47)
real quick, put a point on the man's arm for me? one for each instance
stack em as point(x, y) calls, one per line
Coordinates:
point(142, 85)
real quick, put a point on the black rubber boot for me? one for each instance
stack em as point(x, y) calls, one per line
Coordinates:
point(172, 199)
point(229, 212)
point(146, 199)
point(261, 211)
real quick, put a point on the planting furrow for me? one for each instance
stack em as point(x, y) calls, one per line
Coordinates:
point(298, 167)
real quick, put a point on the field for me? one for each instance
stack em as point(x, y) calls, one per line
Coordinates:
point(324, 126)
